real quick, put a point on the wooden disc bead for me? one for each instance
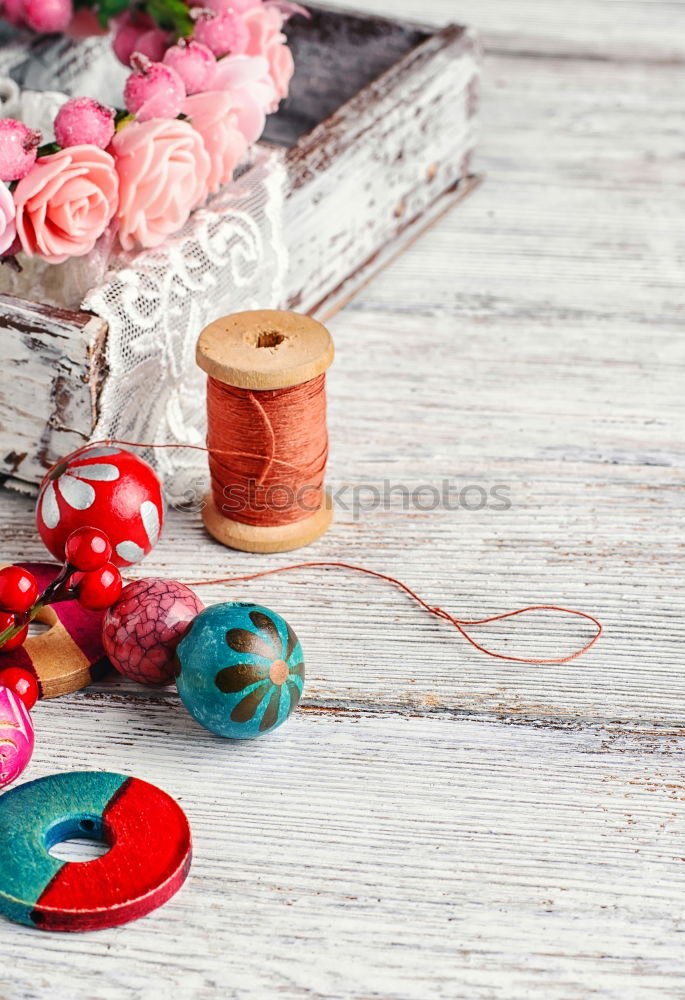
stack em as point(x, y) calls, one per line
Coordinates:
point(70, 654)
point(147, 863)
point(261, 350)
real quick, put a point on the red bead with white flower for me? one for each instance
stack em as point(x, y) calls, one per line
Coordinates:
point(105, 488)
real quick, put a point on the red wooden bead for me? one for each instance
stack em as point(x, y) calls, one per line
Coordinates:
point(22, 683)
point(107, 488)
point(18, 589)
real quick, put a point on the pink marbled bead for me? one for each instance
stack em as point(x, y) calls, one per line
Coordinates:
point(141, 631)
point(16, 736)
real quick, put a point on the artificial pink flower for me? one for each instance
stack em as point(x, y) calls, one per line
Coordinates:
point(7, 226)
point(66, 202)
point(251, 87)
point(213, 115)
point(266, 39)
point(163, 169)
point(281, 68)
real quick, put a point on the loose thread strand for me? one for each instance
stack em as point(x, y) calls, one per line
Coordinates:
point(458, 623)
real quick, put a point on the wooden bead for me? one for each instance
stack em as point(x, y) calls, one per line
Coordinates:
point(70, 653)
point(147, 863)
point(16, 736)
point(141, 631)
point(104, 487)
point(260, 350)
point(240, 670)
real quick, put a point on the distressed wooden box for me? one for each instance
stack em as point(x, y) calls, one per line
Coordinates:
point(377, 136)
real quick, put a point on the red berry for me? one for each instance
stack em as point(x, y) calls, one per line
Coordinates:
point(18, 589)
point(87, 549)
point(99, 589)
point(22, 683)
point(7, 620)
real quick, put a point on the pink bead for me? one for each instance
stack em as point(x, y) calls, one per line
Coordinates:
point(16, 736)
point(83, 121)
point(222, 33)
point(18, 145)
point(48, 16)
point(141, 631)
point(153, 90)
point(193, 62)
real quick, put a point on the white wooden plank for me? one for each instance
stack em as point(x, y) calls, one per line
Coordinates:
point(395, 847)
point(653, 30)
point(384, 857)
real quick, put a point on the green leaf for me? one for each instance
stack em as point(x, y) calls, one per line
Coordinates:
point(47, 148)
point(172, 15)
point(108, 9)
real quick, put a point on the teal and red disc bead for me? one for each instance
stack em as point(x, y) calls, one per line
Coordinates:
point(240, 670)
point(148, 860)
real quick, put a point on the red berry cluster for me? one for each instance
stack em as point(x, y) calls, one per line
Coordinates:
point(86, 576)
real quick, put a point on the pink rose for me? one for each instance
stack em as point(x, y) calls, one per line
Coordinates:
point(65, 202)
point(251, 87)
point(281, 67)
point(266, 39)
point(213, 115)
point(8, 229)
point(163, 169)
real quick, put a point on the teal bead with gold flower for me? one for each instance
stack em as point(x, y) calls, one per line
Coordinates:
point(239, 670)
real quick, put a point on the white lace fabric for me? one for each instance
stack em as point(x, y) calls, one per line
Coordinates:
point(230, 256)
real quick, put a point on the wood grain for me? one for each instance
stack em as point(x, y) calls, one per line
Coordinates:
point(431, 823)
point(390, 857)
point(52, 369)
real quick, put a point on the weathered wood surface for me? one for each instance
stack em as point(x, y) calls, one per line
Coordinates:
point(52, 368)
point(434, 824)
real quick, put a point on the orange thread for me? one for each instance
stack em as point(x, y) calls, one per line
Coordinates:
point(458, 623)
point(267, 451)
point(265, 459)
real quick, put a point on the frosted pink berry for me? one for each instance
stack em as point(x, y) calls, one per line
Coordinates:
point(193, 62)
point(83, 121)
point(48, 16)
point(137, 32)
point(13, 11)
point(153, 90)
point(128, 29)
point(222, 33)
point(18, 145)
point(152, 44)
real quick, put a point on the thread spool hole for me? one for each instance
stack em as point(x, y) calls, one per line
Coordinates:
point(268, 338)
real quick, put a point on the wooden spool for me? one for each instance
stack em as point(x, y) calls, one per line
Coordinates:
point(261, 350)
